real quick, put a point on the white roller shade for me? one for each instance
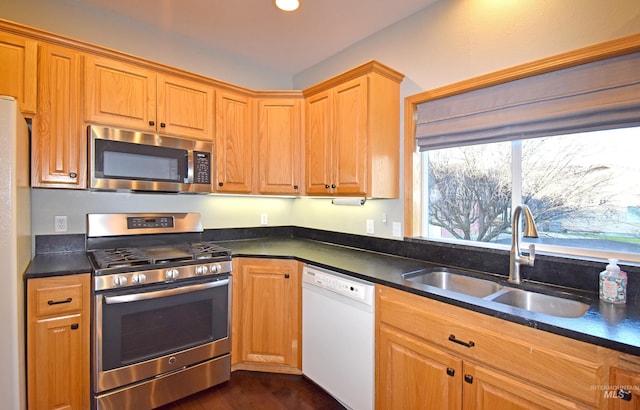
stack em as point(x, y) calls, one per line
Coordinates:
point(599, 95)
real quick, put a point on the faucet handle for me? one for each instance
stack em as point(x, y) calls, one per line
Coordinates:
point(532, 254)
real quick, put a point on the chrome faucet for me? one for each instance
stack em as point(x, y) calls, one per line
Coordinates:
point(515, 257)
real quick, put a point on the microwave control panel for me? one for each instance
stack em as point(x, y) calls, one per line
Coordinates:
point(201, 167)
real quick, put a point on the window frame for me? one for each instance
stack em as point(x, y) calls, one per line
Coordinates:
point(412, 158)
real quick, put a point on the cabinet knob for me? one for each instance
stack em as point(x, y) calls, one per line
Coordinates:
point(451, 372)
point(73, 175)
point(295, 187)
point(625, 395)
point(220, 183)
point(333, 186)
point(152, 123)
point(163, 125)
point(75, 326)
point(327, 186)
point(468, 378)
point(286, 276)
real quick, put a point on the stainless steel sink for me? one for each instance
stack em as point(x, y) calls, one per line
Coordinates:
point(455, 282)
point(541, 303)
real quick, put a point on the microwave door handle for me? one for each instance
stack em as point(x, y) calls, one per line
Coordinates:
point(112, 300)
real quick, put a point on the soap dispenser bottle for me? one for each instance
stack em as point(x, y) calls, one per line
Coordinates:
point(613, 284)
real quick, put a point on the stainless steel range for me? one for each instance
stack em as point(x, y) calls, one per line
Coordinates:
point(161, 309)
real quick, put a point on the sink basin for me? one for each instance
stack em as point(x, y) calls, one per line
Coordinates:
point(445, 279)
point(541, 303)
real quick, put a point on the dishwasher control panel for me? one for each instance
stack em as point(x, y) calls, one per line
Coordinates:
point(338, 283)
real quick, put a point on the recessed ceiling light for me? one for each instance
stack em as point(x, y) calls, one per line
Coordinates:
point(287, 5)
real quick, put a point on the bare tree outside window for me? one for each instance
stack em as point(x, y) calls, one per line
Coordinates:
point(574, 185)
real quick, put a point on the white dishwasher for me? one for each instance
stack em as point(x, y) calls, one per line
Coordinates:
point(338, 335)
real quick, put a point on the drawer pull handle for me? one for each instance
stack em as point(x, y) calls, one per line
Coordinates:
point(59, 302)
point(460, 342)
point(625, 395)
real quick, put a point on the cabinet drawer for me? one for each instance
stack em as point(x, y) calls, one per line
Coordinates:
point(57, 299)
point(568, 367)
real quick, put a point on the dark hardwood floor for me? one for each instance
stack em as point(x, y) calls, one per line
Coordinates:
point(255, 390)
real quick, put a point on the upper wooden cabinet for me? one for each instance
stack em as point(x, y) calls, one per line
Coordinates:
point(131, 96)
point(59, 146)
point(353, 133)
point(234, 142)
point(280, 155)
point(18, 70)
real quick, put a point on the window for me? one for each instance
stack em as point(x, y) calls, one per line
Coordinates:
point(561, 135)
point(583, 190)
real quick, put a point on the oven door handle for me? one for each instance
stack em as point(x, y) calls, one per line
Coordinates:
point(112, 300)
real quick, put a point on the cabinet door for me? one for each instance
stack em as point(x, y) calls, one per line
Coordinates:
point(318, 130)
point(626, 395)
point(350, 146)
point(487, 389)
point(411, 374)
point(58, 347)
point(234, 138)
point(279, 146)
point(18, 70)
point(185, 108)
point(58, 342)
point(270, 312)
point(59, 147)
point(119, 94)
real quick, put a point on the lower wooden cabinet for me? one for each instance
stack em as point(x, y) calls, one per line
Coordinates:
point(624, 391)
point(433, 355)
point(58, 349)
point(266, 315)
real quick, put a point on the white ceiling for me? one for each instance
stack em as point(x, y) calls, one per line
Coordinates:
point(255, 30)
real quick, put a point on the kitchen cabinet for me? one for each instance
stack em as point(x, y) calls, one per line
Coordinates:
point(59, 146)
point(136, 97)
point(267, 325)
point(234, 142)
point(477, 360)
point(18, 70)
point(352, 133)
point(625, 387)
point(279, 168)
point(58, 337)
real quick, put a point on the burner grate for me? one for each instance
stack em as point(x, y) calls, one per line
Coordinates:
point(120, 257)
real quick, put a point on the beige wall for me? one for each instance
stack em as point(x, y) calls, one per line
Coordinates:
point(450, 41)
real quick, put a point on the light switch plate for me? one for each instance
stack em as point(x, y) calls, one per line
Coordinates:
point(397, 230)
point(370, 226)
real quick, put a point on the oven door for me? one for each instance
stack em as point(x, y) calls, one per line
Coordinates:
point(147, 332)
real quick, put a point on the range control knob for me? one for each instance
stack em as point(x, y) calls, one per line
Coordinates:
point(171, 274)
point(138, 278)
point(119, 281)
point(214, 268)
point(201, 270)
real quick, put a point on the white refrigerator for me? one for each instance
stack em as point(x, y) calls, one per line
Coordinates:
point(15, 250)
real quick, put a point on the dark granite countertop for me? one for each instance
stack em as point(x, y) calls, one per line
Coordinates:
point(614, 327)
point(604, 324)
point(56, 264)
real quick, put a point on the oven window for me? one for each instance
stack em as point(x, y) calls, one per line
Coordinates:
point(141, 330)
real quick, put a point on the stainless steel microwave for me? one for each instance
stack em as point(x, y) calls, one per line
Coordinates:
point(136, 161)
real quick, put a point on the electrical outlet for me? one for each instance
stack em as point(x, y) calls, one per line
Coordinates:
point(60, 223)
point(397, 230)
point(370, 226)
point(264, 220)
